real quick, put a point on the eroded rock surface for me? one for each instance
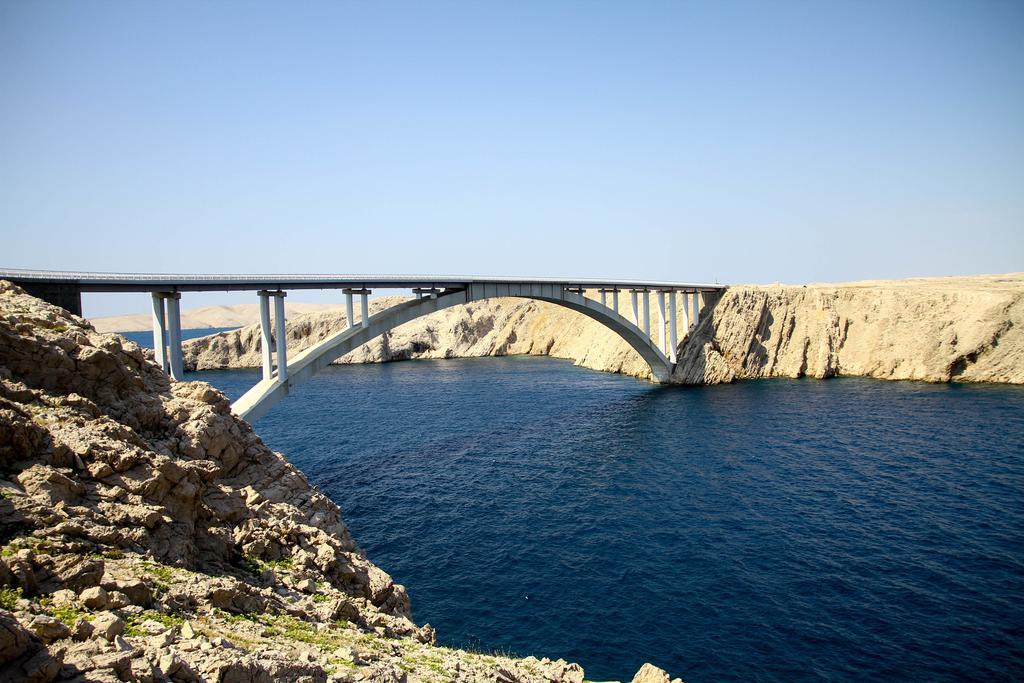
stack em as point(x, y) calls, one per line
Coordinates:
point(147, 534)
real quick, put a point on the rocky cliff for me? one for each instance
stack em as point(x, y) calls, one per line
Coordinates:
point(147, 534)
point(938, 330)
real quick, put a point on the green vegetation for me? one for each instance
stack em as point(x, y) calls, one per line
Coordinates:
point(133, 623)
point(286, 563)
point(67, 614)
point(256, 567)
point(9, 597)
point(161, 574)
point(321, 597)
point(25, 542)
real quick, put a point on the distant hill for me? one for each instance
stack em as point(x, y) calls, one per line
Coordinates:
point(238, 315)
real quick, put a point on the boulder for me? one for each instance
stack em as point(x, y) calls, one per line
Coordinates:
point(107, 625)
point(23, 657)
point(649, 673)
point(48, 629)
point(95, 598)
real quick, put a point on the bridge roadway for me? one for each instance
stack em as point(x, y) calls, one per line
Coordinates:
point(595, 298)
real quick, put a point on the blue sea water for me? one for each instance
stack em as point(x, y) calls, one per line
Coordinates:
point(145, 338)
point(782, 530)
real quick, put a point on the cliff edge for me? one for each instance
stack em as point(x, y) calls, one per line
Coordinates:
point(147, 534)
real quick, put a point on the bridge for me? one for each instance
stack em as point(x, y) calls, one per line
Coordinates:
point(597, 299)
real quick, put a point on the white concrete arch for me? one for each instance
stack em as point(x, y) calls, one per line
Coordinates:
point(258, 400)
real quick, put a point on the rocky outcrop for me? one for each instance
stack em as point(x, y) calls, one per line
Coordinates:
point(935, 330)
point(147, 534)
point(941, 329)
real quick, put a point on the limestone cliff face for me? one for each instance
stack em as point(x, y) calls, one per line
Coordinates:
point(936, 330)
point(941, 329)
point(147, 534)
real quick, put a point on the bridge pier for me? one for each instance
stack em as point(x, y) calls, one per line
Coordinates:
point(604, 297)
point(647, 313)
point(167, 333)
point(672, 334)
point(661, 321)
point(696, 308)
point(174, 335)
point(615, 300)
point(349, 311)
point(282, 337)
point(160, 331)
point(265, 337)
point(425, 292)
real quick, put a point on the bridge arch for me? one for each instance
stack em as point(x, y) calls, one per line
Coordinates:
point(263, 396)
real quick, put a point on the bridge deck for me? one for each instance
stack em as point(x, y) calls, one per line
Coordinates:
point(159, 282)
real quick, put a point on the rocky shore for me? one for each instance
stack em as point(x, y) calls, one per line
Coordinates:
point(968, 329)
point(147, 534)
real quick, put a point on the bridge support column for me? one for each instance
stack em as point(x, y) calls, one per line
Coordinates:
point(282, 338)
point(160, 331)
point(604, 297)
point(661, 321)
point(673, 337)
point(686, 315)
point(696, 308)
point(647, 313)
point(615, 300)
point(425, 292)
point(364, 301)
point(265, 338)
point(349, 309)
point(632, 307)
point(174, 335)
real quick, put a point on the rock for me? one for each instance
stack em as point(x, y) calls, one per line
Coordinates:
point(117, 600)
point(137, 591)
point(15, 640)
point(107, 625)
point(95, 598)
point(306, 586)
point(82, 630)
point(22, 656)
point(48, 629)
point(74, 572)
point(187, 631)
point(649, 673)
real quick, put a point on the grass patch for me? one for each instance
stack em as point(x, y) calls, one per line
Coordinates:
point(162, 575)
point(67, 614)
point(286, 563)
point(133, 623)
point(256, 567)
point(9, 597)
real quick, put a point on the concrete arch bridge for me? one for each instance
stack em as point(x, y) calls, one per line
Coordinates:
point(597, 299)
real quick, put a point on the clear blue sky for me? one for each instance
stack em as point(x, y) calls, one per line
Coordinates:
point(729, 141)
